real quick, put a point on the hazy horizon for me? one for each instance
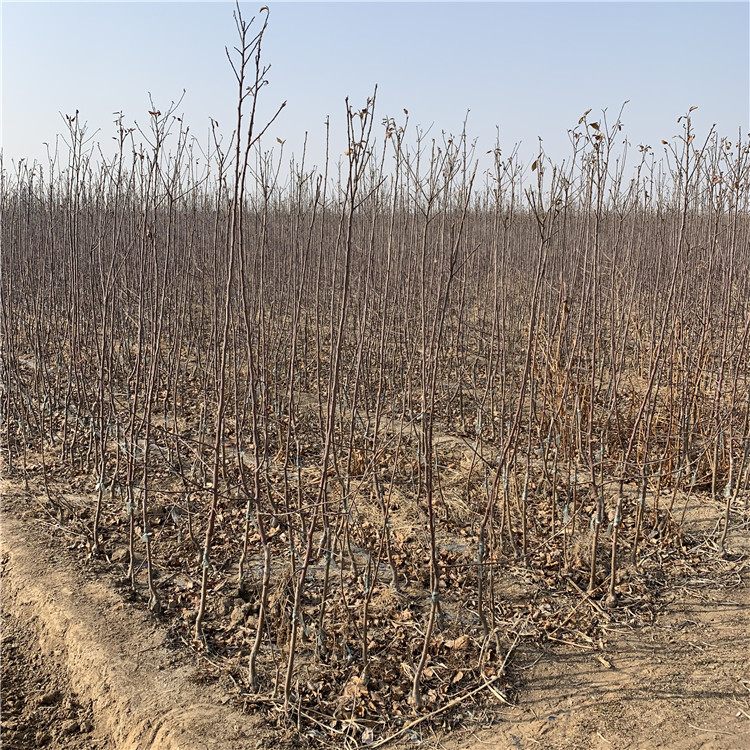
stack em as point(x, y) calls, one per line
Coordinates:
point(523, 70)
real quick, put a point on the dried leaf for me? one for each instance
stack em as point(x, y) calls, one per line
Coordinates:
point(458, 643)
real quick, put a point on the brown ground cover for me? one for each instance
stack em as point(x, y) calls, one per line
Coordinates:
point(85, 666)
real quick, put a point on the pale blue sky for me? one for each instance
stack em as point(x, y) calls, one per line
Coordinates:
point(530, 68)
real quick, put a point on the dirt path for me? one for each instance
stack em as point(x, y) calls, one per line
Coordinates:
point(84, 670)
point(683, 684)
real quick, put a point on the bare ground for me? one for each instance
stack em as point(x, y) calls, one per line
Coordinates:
point(84, 669)
point(682, 683)
point(100, 653)
point(39, 706)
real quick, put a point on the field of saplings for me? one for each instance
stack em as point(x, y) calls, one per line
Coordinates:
point(355, 431)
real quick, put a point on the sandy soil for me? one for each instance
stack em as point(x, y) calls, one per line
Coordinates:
point(39, 706)
point(85, 669)
point(683, 683)
point(70, 631)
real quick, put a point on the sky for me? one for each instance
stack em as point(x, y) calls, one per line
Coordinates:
point(523, 70)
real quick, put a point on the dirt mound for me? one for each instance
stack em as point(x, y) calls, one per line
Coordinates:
point(39, 707)
point(83, 669)
point(104, 656)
